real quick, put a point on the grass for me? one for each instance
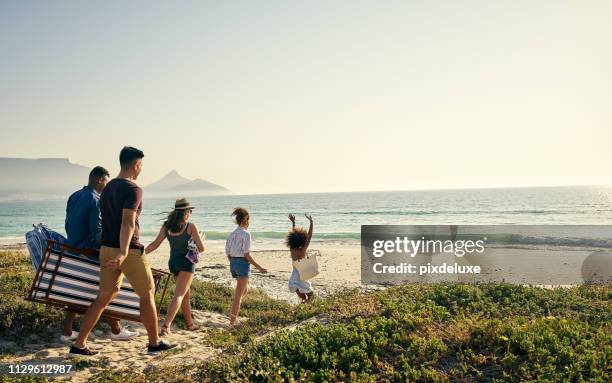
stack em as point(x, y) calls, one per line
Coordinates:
point(440, 333)
point(19, 319)
point(432, 333)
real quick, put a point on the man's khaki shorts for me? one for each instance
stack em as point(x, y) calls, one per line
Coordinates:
point(135, 267)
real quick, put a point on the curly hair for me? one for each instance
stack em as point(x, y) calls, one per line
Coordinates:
point(296, 238)
point(241, 214)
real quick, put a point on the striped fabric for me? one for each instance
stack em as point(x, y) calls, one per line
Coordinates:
point(238, 243)
point(76, 283)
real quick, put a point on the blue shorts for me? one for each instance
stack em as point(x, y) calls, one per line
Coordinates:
point(239, 267)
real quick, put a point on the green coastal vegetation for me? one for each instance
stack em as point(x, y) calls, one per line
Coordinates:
point(433, 333)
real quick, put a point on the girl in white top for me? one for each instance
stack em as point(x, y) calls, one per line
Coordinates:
point(237, 249)
point(297, 241)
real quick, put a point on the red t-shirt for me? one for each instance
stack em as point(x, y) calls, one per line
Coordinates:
point(119, 194)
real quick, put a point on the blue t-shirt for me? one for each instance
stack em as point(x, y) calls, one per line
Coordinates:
point(83, 219)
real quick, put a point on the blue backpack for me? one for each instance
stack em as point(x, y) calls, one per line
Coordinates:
point(36, 240)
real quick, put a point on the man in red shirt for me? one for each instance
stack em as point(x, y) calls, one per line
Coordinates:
point(122, 253)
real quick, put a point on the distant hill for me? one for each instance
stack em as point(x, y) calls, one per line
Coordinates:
point(40, 178)
point(57, 178)
point(168, 182)
point(175, 185)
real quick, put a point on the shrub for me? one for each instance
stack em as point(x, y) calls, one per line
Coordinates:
point(437, 333)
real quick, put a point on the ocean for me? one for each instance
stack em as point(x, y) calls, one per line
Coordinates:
point(339, 216)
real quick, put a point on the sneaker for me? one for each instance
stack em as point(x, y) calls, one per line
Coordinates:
point(75, 351)
point(125, 334)
point(161, 346)
point(69, 338)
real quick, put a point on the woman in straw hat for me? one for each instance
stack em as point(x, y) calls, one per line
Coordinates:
point(179, 232)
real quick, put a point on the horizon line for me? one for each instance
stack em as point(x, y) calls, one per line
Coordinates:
point(345, 192)
point(426, 189)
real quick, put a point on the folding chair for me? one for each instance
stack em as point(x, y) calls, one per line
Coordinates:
point(69, 277)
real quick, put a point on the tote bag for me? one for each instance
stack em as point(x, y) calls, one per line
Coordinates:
point(307, 267)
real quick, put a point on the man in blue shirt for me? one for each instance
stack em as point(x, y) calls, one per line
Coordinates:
point(84, 230)
point(83, 219)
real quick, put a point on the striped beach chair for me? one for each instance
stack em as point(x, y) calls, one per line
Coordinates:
point(69, 277)
point(36, 240)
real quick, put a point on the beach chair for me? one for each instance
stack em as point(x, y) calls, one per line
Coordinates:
point(69, 277)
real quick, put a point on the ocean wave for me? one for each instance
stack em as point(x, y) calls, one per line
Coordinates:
point(217, 235)
point(566, 241)
point(462, 212)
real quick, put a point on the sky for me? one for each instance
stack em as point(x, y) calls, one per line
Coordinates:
point(317, 96)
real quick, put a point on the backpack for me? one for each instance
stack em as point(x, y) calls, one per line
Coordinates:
point(36, 240)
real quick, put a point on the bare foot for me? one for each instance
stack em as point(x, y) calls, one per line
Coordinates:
point(164, 331)
point(193, 327)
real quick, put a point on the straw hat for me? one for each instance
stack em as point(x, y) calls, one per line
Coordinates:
point(182, 204)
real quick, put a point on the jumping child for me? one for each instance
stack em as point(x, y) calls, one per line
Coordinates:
point(298, 240)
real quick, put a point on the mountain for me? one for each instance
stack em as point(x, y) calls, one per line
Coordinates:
point(175, 185)
point(168, 182)
point(57, 178)
point(40, 178)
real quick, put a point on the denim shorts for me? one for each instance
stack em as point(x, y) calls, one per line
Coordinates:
point(239, 267)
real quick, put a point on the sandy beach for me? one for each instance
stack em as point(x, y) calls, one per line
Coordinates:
point(339, 265)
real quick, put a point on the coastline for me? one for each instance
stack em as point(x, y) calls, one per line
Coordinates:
point(340, 266)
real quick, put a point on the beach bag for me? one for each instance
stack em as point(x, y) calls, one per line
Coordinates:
point(193, 255)
point(307, 267)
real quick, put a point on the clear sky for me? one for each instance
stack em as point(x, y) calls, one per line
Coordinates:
point(288, 96)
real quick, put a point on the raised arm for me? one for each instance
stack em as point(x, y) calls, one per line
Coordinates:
point(309, 217)
point(292, 219)
point(151, 247)
point(195, 235)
